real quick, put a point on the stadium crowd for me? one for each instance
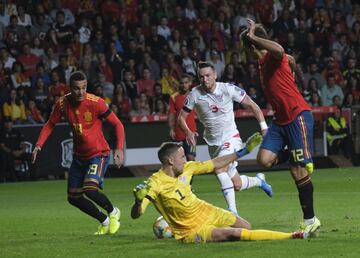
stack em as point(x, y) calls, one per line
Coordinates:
point(134, 52)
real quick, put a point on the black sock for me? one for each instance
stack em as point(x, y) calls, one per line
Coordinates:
point(91, 191)
point(85, 205)
point(306, 189)
point(283, 156)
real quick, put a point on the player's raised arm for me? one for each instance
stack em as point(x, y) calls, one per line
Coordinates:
point(257, 35)
point(47, 129)
point(248, 103)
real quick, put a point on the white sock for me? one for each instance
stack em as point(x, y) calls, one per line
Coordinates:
point(113, 211)
point(248, 182)
point(309, 221)
point(227, 187)
point(106, 222)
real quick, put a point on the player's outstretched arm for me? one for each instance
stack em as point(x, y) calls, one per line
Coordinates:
point(261, 43)
point(140, 191)
point(248, 103)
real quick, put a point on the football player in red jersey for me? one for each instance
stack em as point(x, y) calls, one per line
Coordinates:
point(85, 113)
point(176, 104)
point(293, 122)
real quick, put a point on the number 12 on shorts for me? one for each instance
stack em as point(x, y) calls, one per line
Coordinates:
point(298, 154)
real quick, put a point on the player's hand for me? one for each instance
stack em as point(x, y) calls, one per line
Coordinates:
point(35, 153)
point(251, 30)
point(172, 134)
point(191, 138)
point(119, 157)
point(141, 190)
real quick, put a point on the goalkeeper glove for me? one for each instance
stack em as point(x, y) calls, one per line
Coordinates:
point(141, 190)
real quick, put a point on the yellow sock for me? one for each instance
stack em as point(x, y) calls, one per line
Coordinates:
point(263, 235)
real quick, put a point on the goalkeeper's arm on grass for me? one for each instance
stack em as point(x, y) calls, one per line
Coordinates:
point(140, 192)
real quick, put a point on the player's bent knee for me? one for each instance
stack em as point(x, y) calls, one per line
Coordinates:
point(90, 189)
point(74, 199)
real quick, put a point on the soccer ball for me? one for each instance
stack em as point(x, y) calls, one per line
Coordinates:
point(161, 228)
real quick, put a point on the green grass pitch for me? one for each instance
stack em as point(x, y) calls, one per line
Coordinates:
point(37, 221)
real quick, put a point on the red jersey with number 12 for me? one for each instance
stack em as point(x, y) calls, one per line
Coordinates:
point(280, 89)
point(86, 124)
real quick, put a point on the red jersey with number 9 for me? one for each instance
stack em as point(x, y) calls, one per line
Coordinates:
point(280, 89)
point(85, 120)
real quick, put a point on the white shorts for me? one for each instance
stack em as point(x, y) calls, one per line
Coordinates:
point(229, 146)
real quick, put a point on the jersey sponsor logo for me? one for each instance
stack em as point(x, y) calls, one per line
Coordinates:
point(67, 153)
point(88, 116)
point(203, 97)
point(214, 108)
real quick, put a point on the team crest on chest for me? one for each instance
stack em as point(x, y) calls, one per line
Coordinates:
point(183, 179)
point(88, 116)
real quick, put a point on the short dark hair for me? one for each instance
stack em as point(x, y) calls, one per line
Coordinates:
point(166, 149)
point(204, 64)
point(187, 76)
point(77, 76)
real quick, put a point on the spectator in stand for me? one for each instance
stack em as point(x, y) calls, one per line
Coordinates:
point(17, 30)
point(36, 48)
point(39, 28)
point(110, 10)
point(108, 87)
point(40, 94)
point(104, 68)
point(122, 102)
point(28, 60)
point(188, 64)
point(173, 66)
point(337, 101)
point(57, 88)
point(168, 82)
point(216, 61)
point(313, 72)
point(98, 91)
point(254, 94)
point(284, 25)
point(179, 22)
point(33, 114)
point(341, 45)
point(230, 75)
point(163, 28)
point(160, 108)
point(351, 70)
point(22, 93)
point(333, 70)
point(159, 95)
point(98, 43)
point(69, 18)
point(115, 62)
point(349, 101)
point(63, 31)
point(24, 19)
point(175, 42)
point(72, 61)
point(50, 60)
point(315, 100)
point(310, 89)
point(7, 59)
point(133, 51)
point(151, 64)
point(140, 109)
point(330, 90)
point(252, 77)
point(14, 109)
point(145, 84)
point(129, 85)
point(64, 70)
point(18, 77)
point(155, 44)
point(353, 86)
point(85, 31)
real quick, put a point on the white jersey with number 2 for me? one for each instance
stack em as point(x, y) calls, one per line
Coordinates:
point(215, 110)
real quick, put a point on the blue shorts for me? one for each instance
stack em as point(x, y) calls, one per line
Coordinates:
point(298, 136)
point(94, 168)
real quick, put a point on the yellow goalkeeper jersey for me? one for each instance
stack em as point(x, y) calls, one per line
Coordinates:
point(174, 199)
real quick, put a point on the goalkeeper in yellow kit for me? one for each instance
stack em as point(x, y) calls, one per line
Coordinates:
point(191, 219)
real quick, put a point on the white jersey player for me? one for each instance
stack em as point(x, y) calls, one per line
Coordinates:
point(213, 103)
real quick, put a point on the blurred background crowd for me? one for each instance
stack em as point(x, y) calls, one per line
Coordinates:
point(135, 51)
